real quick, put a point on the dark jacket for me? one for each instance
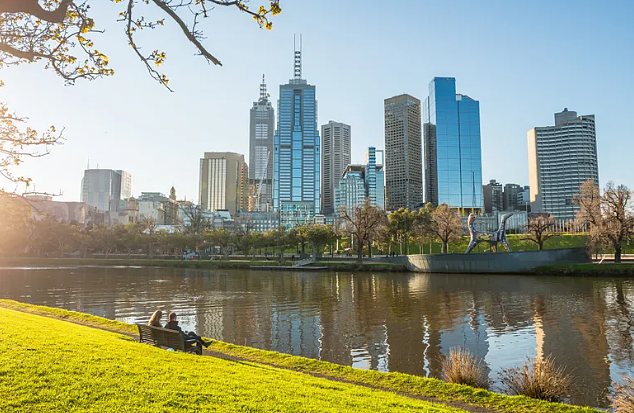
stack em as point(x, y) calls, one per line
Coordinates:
point(173, 325)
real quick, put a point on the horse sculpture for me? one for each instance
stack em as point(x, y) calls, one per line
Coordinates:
point(492, 238)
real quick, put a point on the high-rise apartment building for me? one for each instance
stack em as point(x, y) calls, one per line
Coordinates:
point(335, 156)
point(350, 191)
point(223, 182)
point(493, 196)
point(261, 153)
point(560, 159)
point(296, 192)
point(510, 196)
point(361, 182)
point(453, 160)
point(403, 153)
point(375, 177)
point(105, 188)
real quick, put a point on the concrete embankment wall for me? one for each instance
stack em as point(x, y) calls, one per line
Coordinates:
point(487, 263)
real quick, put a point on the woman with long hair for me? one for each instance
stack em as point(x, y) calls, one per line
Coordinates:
point(155, 320)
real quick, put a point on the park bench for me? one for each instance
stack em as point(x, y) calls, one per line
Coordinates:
point(163, 337)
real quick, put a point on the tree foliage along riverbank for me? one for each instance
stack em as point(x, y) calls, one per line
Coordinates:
point(72, 366)
point(367, 230)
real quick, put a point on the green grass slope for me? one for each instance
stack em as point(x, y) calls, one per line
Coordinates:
point(48, 365)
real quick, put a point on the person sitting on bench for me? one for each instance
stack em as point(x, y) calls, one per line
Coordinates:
point(155, 320)
point(172, 324)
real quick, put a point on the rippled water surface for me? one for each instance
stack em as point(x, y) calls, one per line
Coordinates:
point(387, 322)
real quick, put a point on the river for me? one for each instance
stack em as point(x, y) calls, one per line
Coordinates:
point(387, 322)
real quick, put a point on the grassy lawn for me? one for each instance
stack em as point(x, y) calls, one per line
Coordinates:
point(85, 365)
point(48, 365)
point(515, 241)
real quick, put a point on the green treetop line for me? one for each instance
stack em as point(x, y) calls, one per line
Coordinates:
point(363, 231)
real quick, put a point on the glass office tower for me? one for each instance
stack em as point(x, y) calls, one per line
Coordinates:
point(261, 153)
point(453, 159)
point(296, 152)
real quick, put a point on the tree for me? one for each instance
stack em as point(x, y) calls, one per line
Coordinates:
point(148, 230)
point(386, 236)
point(278, 238)
point(221, 238)
point(194, 219)
point(17, 143)
point(15, 224)
point(539, 230)
point(610, 217)
point(445, 225)
point(319, 236)
point(403, 221)
point(129, 236)
point(363, 222)
point(61, 34)
point(104, 237)
point(299, 235)
point(243, 241)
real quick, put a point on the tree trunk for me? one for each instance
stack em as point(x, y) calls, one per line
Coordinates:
point(617, 254)
point(540, 245)
point(445, 247)
point(369, 249)
point(359, 251)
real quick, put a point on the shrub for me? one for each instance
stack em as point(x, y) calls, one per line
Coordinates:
point(537, 378)
point(622, 398)
point(462, 367)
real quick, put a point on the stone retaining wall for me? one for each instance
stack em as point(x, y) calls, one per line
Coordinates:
point(487, 263)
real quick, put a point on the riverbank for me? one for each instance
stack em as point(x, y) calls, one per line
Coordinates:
point(50, 363)
point(588, 270)
point(233, 264)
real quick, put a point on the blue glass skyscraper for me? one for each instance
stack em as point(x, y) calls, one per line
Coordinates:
point(296, 188)
point(453, 158)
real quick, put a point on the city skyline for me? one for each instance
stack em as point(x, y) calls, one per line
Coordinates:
point(512, 99)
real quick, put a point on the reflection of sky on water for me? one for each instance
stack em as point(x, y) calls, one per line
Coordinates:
point(386, 322)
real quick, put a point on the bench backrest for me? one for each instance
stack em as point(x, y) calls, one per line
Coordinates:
point(161, 337)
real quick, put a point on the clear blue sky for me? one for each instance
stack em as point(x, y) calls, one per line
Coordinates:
point(522, 60)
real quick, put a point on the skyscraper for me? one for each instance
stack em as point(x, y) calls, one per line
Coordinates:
point(335, 156)
point(560, 159)
point(223, 181)
point(375, 177)
point(105, 188)
point(360, 182)
point(403, 156)
point(453, 160)
point(261, 153)
point(296, 180)
point(493, 196)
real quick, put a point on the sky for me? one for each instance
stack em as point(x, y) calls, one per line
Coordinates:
point(522, 60)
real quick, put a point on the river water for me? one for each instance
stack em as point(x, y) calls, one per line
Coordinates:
point(387, 322)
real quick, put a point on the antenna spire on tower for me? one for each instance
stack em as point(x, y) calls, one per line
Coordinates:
point(263, 94)
point(298, 57)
